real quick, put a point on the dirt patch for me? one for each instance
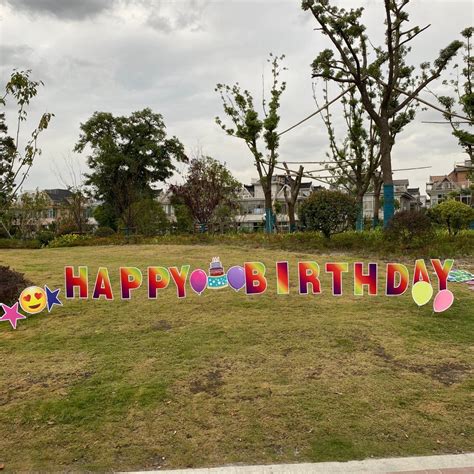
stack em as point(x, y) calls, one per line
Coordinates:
point(287, 351)
point(26, 386)
point(447, 373)
point(314, 373)
point(209, 383)
point(162, 325)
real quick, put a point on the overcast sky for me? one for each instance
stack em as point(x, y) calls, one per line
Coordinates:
point(123, 55)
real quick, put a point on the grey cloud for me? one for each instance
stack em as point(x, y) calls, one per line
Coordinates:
point(187, 15)
point(15, 56)
point(160, 23)
point(148, 53)
point(162, 16)
point(64, 9)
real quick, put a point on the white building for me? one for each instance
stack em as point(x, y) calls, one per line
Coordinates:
point(457, 183)
point(407, 198)
point(252, 203)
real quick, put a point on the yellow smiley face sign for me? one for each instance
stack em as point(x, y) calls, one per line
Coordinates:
point(33, 300)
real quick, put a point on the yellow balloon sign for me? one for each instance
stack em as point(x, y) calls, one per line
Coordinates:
point(421, 292)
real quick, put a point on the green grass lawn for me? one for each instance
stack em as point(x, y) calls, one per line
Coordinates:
point(227, 378)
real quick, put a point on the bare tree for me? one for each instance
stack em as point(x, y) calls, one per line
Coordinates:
point(291, 196)
point(77, 202)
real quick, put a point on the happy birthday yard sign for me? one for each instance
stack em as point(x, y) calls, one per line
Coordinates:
point(252, 277)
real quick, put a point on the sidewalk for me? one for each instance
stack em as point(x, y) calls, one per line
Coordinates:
point(445, 464)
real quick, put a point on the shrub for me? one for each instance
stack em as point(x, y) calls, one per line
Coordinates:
point(66, 227)
point(11, 285)
point(104, 231)
point(409, 228)
point(19, 244)
point(69, 240)
point(45, 237)
point(4, 234)
point(330, 212)
point(454, 215)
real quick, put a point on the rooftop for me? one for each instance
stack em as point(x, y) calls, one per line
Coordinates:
point(58, 195)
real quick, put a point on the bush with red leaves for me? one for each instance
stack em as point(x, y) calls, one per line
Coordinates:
point(11, 285)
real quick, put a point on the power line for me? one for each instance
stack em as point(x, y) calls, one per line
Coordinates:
point(309, 174)
point(308, 162)
point(452, 114)
point(416, 168)
point(325, 106)
point(446, 123)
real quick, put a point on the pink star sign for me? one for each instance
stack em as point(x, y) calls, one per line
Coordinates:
point(11, 314)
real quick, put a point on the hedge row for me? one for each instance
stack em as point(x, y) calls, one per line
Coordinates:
point(440, 244)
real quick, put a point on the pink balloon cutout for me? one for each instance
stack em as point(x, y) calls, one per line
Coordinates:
point(443, 301)
point(198, 281)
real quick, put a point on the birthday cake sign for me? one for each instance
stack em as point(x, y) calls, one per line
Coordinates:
point(217, 278)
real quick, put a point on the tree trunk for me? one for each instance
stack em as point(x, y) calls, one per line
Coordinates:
point(387, 176)
point(291, 216)
point(360, 214)
point(269, 219)
point(377, 189)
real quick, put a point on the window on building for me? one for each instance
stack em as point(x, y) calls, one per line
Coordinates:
point(368, 206)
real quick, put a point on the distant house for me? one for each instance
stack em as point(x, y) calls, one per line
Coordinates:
point(252, 202)
point(56, 210)
point(57, 207)
point(164, 198)
point(456, 183)
point(407, 198)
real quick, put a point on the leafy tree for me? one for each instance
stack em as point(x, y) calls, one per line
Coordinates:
point(7, 154)
point(247, 125)
point(463, 87)
point(208, 186)
point(226, 217)
point(330, 212)
point(149, 217)
point(28, 210)
point(16, 160)
point(357, 157)
point(386, 83)
point(129, 155)
point(184, 219)
point(105, 216)
point(453, 214)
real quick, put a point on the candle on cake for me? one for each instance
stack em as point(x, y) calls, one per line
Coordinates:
point(217, 277)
